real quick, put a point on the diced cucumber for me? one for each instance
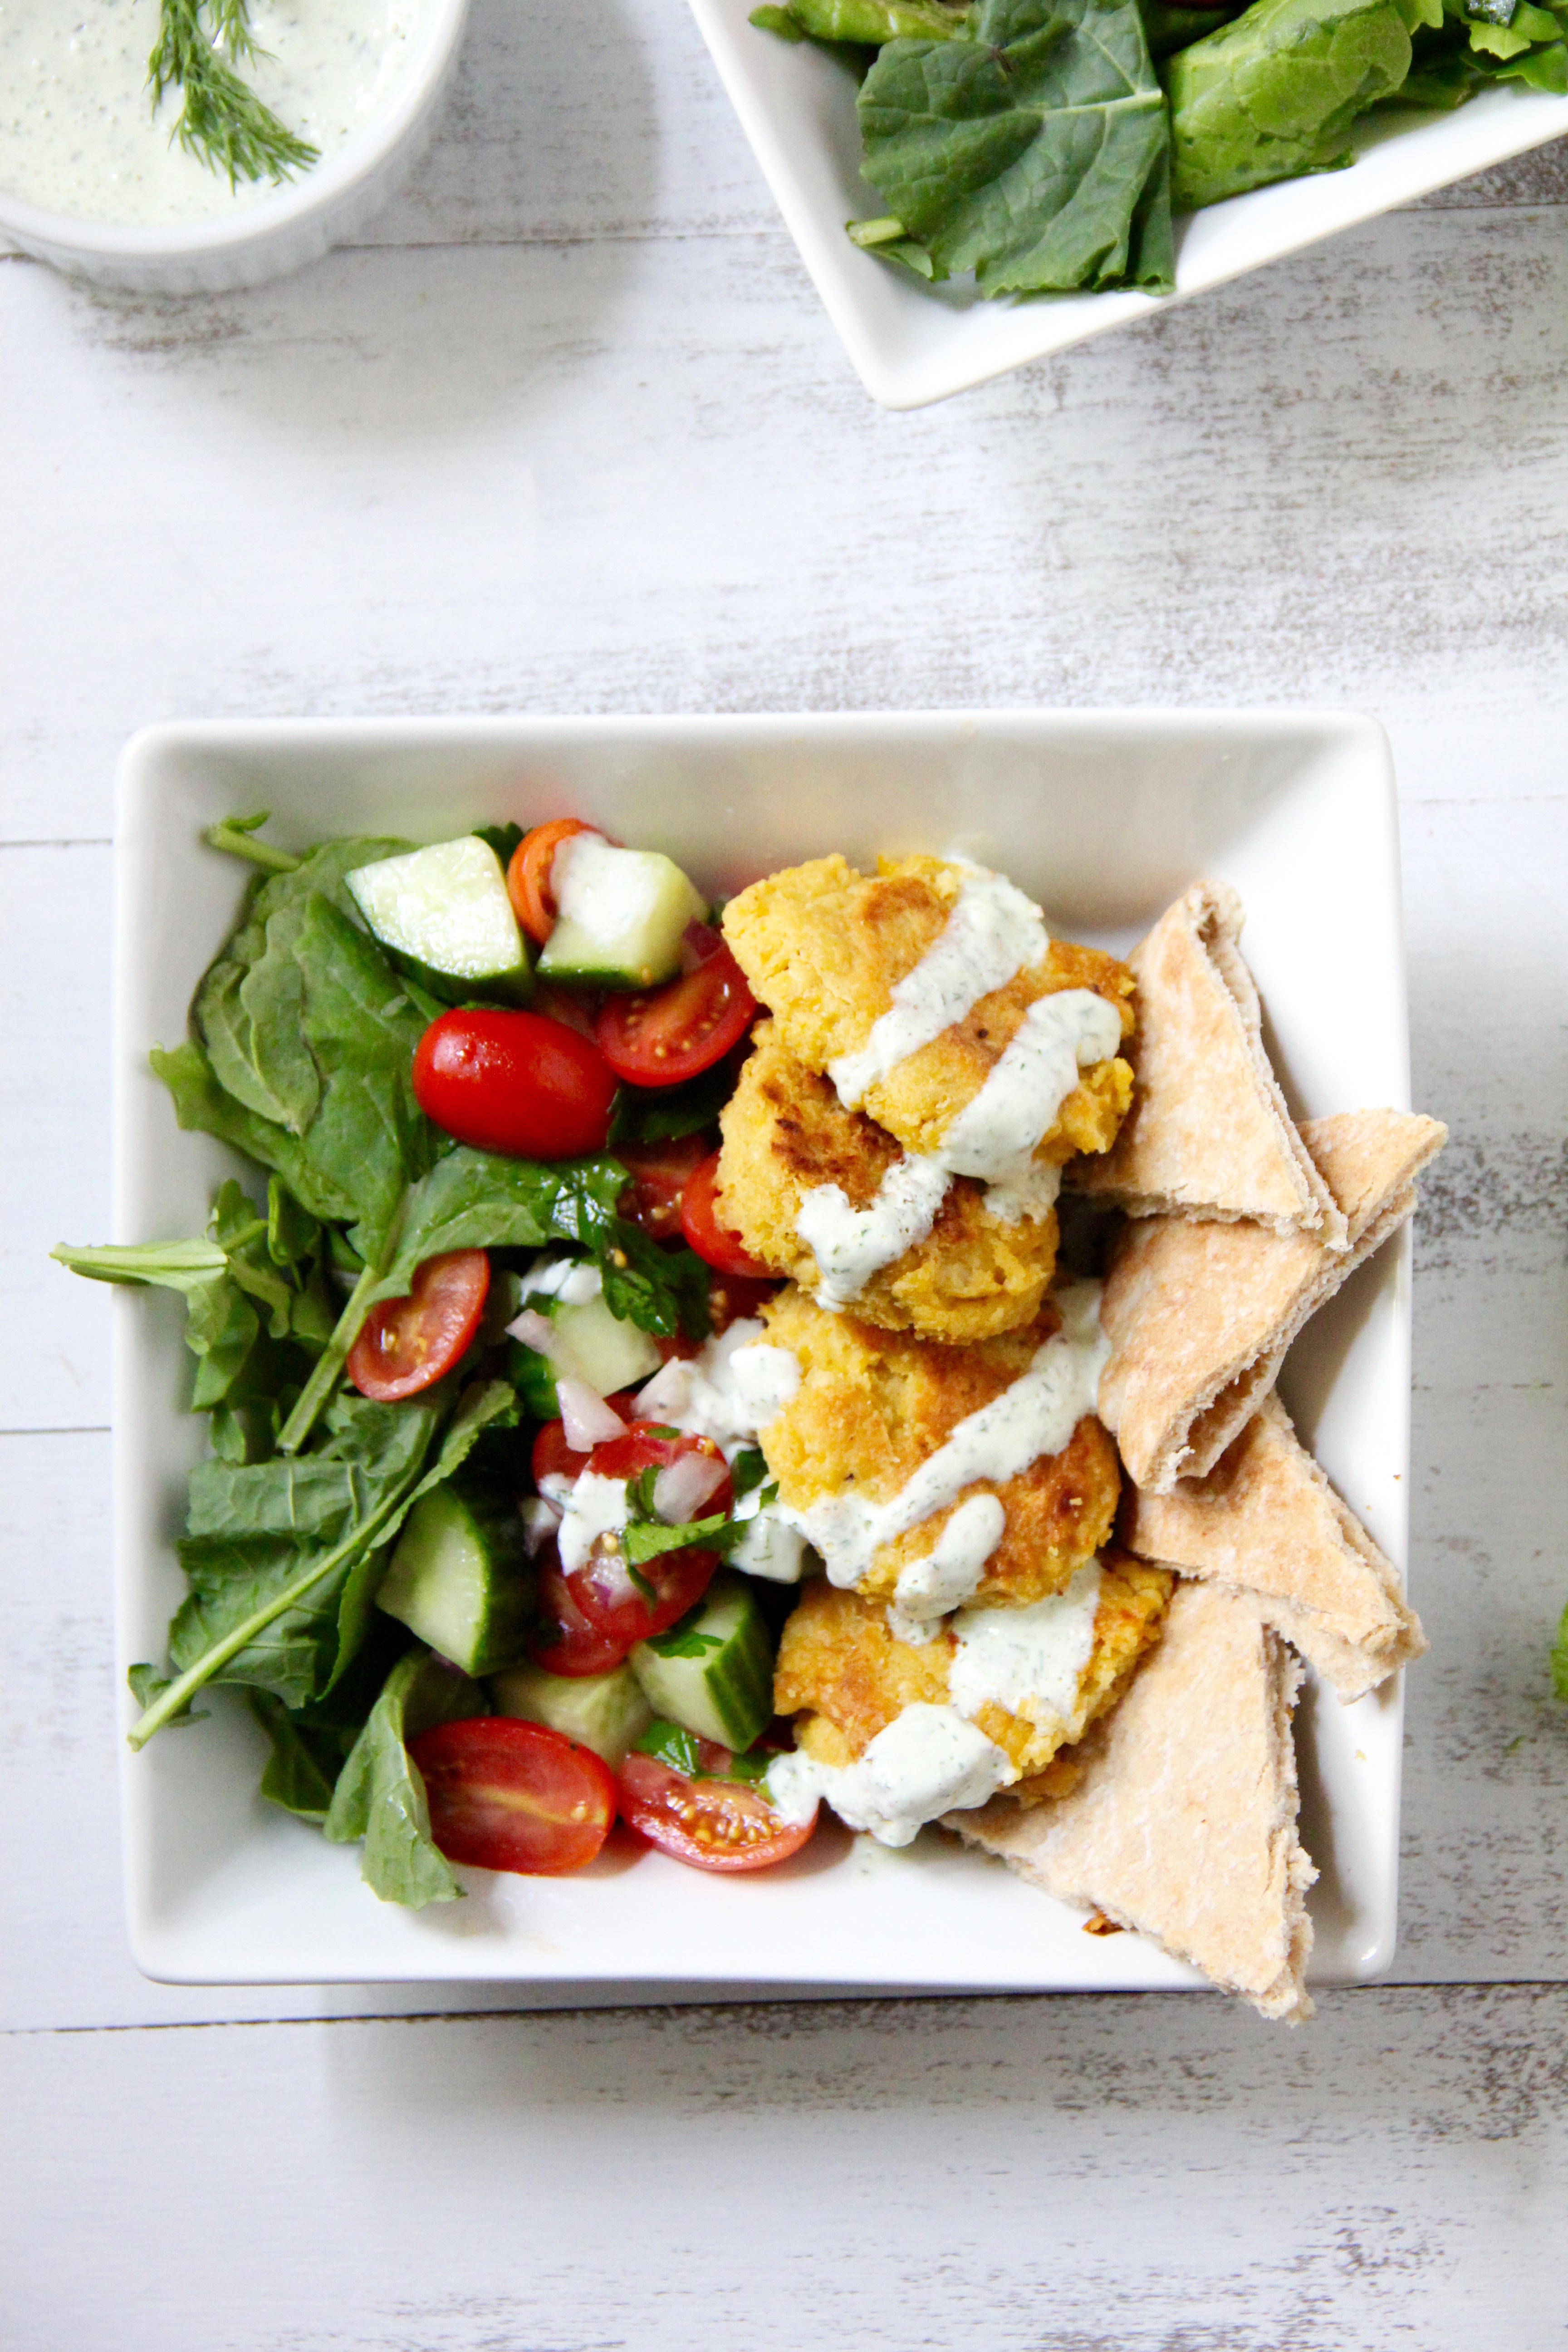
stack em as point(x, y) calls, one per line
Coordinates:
point(445, 916)
point(622, 914)
point(713, 1672)
point(604, 1712)
point(460, 1577)
point(595, 1346)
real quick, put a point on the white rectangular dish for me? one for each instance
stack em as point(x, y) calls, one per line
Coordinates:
point(910, 343)
point(1104, 817)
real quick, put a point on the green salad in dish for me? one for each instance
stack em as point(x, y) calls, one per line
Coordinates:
point(1043, 145)
point(483, 1534)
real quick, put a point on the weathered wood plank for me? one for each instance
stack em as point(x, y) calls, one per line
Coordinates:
point(1080, 2174)
point(569, 477)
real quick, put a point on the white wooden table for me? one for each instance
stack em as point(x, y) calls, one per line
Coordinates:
point(569, 431)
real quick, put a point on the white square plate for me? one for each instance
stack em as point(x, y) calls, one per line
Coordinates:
point(912, 343)
point(1104, 817)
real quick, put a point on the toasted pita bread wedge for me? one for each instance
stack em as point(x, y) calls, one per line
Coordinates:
point(1208, 1131)
point(1199, 1314)
point(1267, 1520)
point(1183, 1824)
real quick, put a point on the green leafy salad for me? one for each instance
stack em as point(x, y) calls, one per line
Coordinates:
point(481, 1596)
point(1043, 145)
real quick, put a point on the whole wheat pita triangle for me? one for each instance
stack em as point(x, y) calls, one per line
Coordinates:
point(1199, 1314)
point(1267, 1520)
point(1182, 1825)
point(1208, 1131)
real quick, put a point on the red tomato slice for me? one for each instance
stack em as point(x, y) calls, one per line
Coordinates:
point(510, 1795)
point(552, 1454)
point(711, 1825)
point(528, 875)
point(407, 1344)
point(711, 1240)
point(605, 1588)
point(660, 1173)
point(674, 1031)
point(564, 1642)
point(514, 1082)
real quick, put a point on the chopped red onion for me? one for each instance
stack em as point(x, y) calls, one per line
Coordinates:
point(588, 1420)
point(538, 1332)
point(540, 1518)
point(682, 1487)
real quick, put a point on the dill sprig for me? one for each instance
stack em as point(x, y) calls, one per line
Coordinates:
point(222, 122)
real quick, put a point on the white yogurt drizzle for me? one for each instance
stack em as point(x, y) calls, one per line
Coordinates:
point(932, 1760)
point(993, 933)
point(928, 1762)
point(1025, 1659)
point(852, 1245)
point(1034, 1415)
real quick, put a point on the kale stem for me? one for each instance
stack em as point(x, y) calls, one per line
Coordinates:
point(244, 844)
point(181, 1691)
point(329, 1364)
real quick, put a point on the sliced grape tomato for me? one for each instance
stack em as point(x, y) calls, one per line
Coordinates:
point(407, 1344)
point(714, 1241)
point(705, 1815)
point(528, 875)
point(507, 1794)
point(660, 1173)
point(665, 1035)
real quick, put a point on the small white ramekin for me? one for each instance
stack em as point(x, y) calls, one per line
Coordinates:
point(295, 224)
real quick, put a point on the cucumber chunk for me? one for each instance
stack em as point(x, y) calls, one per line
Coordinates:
point(604, 1712)
point(622, 915)
point(595, 1346)
point(713, 1672)
point(460, 1577)
point(445, 916)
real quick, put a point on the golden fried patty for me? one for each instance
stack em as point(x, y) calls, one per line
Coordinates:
point(786, 1132)
point(844, 1672)
point(873, 1405)
point(824, 947)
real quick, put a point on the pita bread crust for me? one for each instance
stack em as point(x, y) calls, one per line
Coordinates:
point(1208, 1131)
point(1199, 1314)
point(1184, 1826)
point(1266, 1520)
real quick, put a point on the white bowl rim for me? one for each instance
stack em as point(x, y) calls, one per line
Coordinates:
point(292, 201)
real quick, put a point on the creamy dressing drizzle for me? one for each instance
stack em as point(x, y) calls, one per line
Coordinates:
point(78, 134)
point(993, 932)
point(932, 1760)
point(1034, 1415)
point(1017, 1658)
point(596, 1506)
point(852, 1245)
point(928, 1588)
point(928, 1761)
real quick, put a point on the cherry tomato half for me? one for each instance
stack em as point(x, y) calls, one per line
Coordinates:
point(711, 1240)
point(674, 1031)
point(407, 1344)
point(510, 1795)
point(605, 1590)
point(514, 1082)
point(712, 1824)
point(528, 875)
point(552, 1458)
point(660, 1172)
point(563, 1641)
